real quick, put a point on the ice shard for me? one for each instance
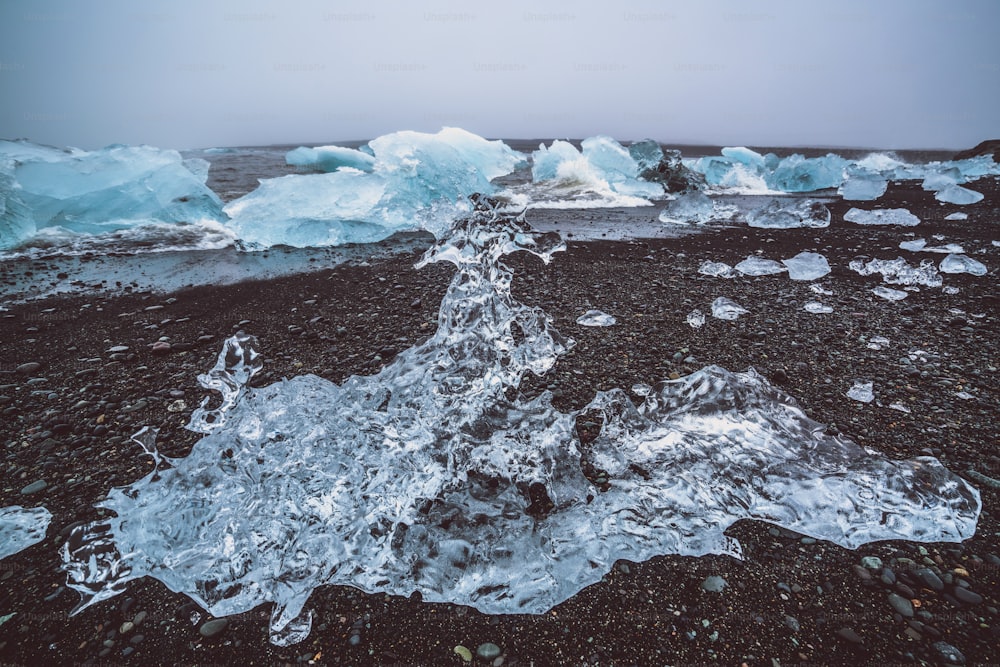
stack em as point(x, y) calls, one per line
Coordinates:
point(920, 245)
point(885, 216)
point(596, 318)
point(726, 309)
point(899, 272)
point(780, 214)
point(889, 294)
point(21, 527)
point(436, 476)
point(957, 263)
point(817, 308)
point(716, 269)
point(807, 266)
point(330, 158)
point(417, 181)
point(690, 207)
point(861, 391)
point(757, 266)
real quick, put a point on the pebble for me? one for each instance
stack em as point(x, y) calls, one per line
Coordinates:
point(848, 634)
point(160, 347)
point(464, 653)
point(930, 579)
point(28, 368)
point(949, 654)
point(117, 348)
point(713, 584)
point(967, 596)
point(901, 605)
point(213, 627)
point(872, 562)
point(34, 487)
point(488, 651)
point(863, 573)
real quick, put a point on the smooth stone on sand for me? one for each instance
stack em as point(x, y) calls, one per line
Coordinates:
point(34, 487)
point(901, 605)
point(28, 368)
point(213, 627)
point(488, 651)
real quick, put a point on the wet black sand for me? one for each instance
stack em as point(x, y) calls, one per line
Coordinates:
point(791, 601)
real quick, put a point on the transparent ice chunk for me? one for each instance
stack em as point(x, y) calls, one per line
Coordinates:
point(863, 185)
point(861, 391)
point(330, 158)
point(807, 266)
point(757, 266)
point(796, 173)
point(817, 307)
point(878, 342)
point(957, 263)
point(957, 216)
point(436, 476)
point(716, 269)
point(727, 309)
point(779, 214)
point(596, 318)
point(899, 272)
point(920, 245)
point(889, 294)
point(20, 527)
point(695, 318)
point(956, 194)
point(690, 207)
point(885, 216)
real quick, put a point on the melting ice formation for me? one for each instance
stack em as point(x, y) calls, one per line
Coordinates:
point(780, 215)
point(20, 527)
point(436, 476)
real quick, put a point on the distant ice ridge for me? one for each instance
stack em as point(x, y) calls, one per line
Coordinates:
point(115, 188)
point(416, 181)
point(21, 527)
point(435, 476)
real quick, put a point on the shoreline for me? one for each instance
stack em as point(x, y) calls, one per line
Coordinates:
point(351, 318)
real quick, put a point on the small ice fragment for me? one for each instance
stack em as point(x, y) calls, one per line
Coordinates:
point(964, 395)
point(717, 269)
point(756, 266)
point(913, 246)
point(817, 308)
point(696, 207)
point(962, 264)
point(888, 293)
point(807, 266)
point(596, 318)
point(957, 216)
point(878, 342)
point(863, 185)
point(819, 289)
point(920, 245)
point(885, 216)
point(641, 389)
point(956, 194)
point(21, 527)
point(695, 318)
point(727, 309)
point(900, 407)
point(996, 244)
point(777, 214)
point(950, 289)
point(861, 391)
point(899, 272)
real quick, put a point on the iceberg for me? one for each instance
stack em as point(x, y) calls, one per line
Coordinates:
point(596, 318)
point(940, 180)
point(863, 185)
point(330, 158)
point(796, 173)
point(957, 263)
point(727, 309)
point(745, 156)
point(436, 476)
point(16, 223)
point(21, 527)
point(956, 194)
point(777, 214)
point(690, 207)
point(885, 216)
point(756, 266)
point(807, 266)
point(114, 188)
point(602, 168)
point(417, 181)
point(899, 272)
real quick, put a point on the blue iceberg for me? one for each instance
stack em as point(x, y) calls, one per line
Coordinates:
point(330, 158)
point(16, 223)
point(602, 169)
point(416, 181)
point(862, 185)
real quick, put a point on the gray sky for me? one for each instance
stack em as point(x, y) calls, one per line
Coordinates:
point(184, 74)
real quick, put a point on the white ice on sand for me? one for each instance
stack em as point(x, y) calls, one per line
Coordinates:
point(758, 266)
point(695, 318)
point(899, 272)
point(889, 294)
point(957, 263)
point(724, 308)
point(596, 318)
point(20, 527)
point(956, 194)
point(780, 214)
point(861, 391)
point(716, 269)
point(691, 207)
point(807, 266)
point(885, 216)
point(920, 245)
point(817, 308)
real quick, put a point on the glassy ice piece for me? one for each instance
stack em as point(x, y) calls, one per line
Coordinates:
point(807, 266)
point(863, 185)
point(900, 407)
point(695, 318)
point(956, 194)
point(962, 264)
point(330, 158)
point(889, 294)
point(745, 156)
point(796, 173)
point(885, 216)
point(690, 207)
point(757, 266)
point(109, 189)
point(819, 289)
point(717, 269)
point(913, 246)
point(21, 527)
point(899, 272)
point(957, 216)
point(920, 245)
point(780, 214)
point(436, 476)
point(861, 391)
point(418, 181)
point(727, 309)
point(596, 318)
point(817, 308)
point(647, 155)
point(16, 223)
point(878, 342)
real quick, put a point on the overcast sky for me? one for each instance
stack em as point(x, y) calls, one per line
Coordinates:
point(185, 74)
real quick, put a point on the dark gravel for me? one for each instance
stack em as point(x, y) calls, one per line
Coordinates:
point(79, 375)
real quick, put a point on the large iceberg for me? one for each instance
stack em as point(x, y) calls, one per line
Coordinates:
point(417, 181)
point(21, 527)
point(436, 476)
point(330, 158)
point(114, 188)
point(16, 223)
point(602, 169)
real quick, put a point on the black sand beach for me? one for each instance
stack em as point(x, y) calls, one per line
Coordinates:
point(793, 600)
